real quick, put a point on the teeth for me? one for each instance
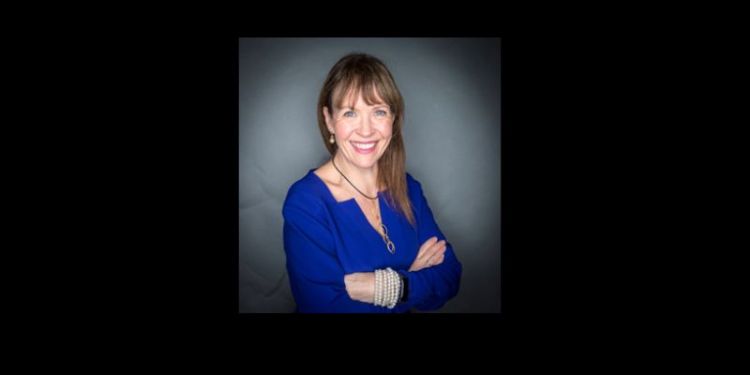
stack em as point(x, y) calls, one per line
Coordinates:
point(364, 146)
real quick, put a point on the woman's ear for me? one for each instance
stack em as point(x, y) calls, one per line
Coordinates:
point(327, 117)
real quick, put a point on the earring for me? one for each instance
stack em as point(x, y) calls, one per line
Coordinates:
point(332, 140)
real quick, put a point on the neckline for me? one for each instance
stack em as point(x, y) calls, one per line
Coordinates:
point(333, 198)
point(361, 214)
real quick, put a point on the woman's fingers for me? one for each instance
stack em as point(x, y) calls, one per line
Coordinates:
point(430, 253)
point(437, 248)
point(438, 259)
point(430, 250)
point(426, 245)
point(423, 250)
point(437, 251)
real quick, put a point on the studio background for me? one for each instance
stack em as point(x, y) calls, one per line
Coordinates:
point(451, 87)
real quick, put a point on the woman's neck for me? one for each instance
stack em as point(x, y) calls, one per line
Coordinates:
point(365, 179)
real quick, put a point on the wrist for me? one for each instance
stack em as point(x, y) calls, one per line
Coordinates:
point(360, 286)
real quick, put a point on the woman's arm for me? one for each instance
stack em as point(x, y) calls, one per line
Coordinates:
point(361, 285)
point(430, 288)
point(315, 274)
point(435, 274)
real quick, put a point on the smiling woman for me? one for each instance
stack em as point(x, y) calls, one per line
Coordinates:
point(358, 233)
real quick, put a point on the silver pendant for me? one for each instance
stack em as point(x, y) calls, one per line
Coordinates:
point(388, 243)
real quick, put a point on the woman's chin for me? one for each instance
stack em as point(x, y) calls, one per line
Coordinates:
point(365, 164)
point(364, 161)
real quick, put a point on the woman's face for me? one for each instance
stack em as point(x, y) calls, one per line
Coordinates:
point(363, 131)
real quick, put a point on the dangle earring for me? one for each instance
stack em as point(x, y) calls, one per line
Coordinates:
point(332, 140)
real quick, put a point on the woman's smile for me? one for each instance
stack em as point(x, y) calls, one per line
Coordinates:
point(364, 147)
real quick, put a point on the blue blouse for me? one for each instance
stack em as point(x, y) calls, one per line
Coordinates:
point(325, 240)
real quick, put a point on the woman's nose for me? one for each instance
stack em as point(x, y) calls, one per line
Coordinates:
point(365, 128)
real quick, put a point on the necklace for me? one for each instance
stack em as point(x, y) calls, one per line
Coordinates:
point(350, 183)
point(388, 243)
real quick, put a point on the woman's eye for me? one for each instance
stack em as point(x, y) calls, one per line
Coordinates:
point(349, 114)
point(381, 112)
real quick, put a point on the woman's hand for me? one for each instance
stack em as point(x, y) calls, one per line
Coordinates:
point(361, 286)
point(431, 253)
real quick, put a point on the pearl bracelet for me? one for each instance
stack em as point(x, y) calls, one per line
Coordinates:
point(388, 288)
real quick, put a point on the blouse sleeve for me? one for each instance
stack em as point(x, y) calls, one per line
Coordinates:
point(315, 274)
point(430, 288)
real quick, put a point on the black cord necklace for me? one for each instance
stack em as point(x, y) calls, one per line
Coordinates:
point(388, 243)
point(350, 183)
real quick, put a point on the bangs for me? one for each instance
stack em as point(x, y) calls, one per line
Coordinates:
point(370, 86)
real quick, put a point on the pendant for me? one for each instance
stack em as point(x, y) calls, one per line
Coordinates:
point(388, 243)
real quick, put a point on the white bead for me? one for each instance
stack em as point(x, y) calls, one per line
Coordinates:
point(378, 287)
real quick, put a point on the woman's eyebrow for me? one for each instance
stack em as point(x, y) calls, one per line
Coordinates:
point(379, 105)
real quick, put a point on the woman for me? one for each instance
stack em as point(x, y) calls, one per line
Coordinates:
point(358, 233)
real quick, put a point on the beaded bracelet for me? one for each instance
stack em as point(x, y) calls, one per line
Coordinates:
point(388, 288)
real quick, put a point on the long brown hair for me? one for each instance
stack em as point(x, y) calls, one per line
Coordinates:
point(365, 74)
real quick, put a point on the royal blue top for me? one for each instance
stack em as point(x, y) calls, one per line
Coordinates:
point(325, 240)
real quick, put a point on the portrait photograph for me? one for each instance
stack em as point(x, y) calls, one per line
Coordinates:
point(369, 175)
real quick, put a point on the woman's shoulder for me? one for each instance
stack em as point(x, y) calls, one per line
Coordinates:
point(305, 200)
point(410, 180)
point(412, 183)
point(413, 188)
point(309, 187)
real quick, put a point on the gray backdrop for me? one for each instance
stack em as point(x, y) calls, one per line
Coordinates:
point(451, 87)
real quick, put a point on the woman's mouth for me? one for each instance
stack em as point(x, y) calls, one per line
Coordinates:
point(364, 147)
